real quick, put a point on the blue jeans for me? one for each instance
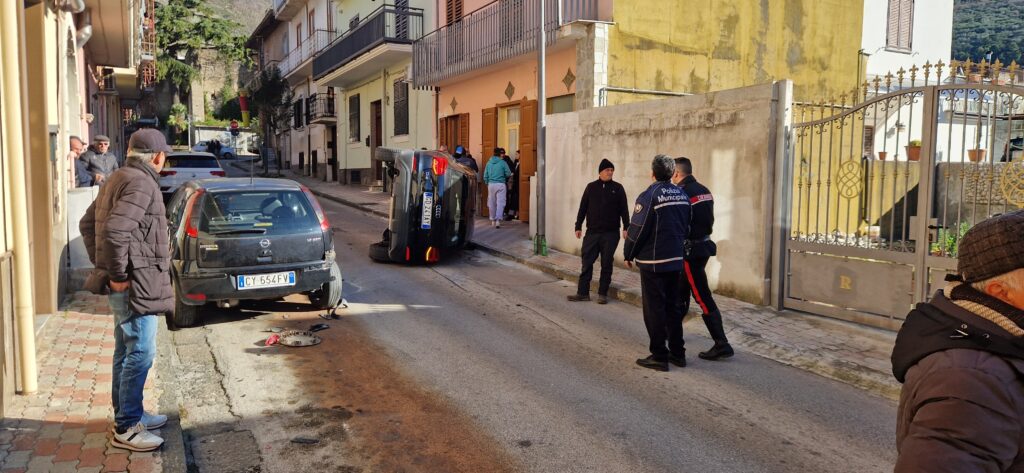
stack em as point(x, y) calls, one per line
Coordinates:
point(134, 350)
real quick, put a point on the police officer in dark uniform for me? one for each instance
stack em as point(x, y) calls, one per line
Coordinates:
point(657, 233)
point(699, 249)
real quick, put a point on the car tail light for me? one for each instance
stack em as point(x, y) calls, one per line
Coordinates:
point(408, 254)
point(167, 173)
point(196, 297)
point(325, 225)
point(191, 217)
point(433, 255)
point(218, 173)
point(440, 165)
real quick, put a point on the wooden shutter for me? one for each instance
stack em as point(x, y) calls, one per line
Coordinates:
point(906, 23)
point(527, 154)
point(453, 11)
point(489, 141)
point(892, 31)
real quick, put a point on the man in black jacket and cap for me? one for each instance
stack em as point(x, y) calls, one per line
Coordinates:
point(960, 357)
point(605, 209)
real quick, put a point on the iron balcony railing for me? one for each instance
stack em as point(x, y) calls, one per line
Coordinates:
point(496, 32)
point(319, 107)
point(387, 24)
point(306, 51)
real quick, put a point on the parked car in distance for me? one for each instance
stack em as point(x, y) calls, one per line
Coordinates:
point(433, 203)
point(238, 239)
point(226, 152)
point(186, 166)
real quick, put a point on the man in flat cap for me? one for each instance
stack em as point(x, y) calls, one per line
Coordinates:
point(99, 161)
point(960, 358)
point(125, 234)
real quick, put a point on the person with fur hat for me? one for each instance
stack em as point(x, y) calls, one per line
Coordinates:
point(960, 357)
point(604, 206)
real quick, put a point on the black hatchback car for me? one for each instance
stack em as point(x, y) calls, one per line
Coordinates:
point(241, 239)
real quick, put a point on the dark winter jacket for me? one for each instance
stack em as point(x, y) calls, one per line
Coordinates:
point(962, 404)
point(702, 219)
point(83, 178)
point(96, 163)
point(604, 206)
point(658, 228)
point(125, 234)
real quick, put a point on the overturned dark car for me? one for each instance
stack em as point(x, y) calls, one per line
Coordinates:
point(433, 203)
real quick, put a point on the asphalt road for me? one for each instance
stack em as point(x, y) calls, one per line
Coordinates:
point(479, 364)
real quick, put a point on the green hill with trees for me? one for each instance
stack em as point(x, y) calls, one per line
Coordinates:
point(980, 26)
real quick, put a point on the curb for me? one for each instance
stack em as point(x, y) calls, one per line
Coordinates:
point(879, 383)
point(173, 453)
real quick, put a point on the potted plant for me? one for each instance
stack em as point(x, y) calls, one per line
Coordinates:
point(882, 155)
point(914, 150)
point(978, 153)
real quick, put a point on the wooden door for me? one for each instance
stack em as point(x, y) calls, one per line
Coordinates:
point(489, 139)
point(527, 154)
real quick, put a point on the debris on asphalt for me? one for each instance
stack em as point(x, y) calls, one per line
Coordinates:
point(305, 440)
point(318, 327)
point(274, 329)
point(298, 338)
point(273, 339)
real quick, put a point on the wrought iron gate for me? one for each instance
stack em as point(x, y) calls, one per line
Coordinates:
point(880, 191)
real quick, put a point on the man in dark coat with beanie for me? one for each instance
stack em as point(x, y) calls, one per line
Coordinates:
point(960, 358)
point(605, 208)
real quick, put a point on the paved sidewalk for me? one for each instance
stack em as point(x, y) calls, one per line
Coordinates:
point(65, 426)
point(835, 349)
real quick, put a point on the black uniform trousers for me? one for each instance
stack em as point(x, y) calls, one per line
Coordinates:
point(596, 244)
point(694, 281)
point(662, 314)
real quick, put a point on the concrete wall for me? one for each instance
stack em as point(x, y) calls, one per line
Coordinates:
point(703, 45)
point(932, 37)
point(726, 134)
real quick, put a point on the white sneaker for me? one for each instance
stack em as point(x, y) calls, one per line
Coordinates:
point(497, 224)
point(151, 421)
point(137, 439)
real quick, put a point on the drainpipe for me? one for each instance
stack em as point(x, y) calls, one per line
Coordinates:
point(14, 96)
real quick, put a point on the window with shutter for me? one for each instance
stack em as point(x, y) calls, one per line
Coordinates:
point(453, 10)
point(353, 119)
point(900, 27)
point(401, 107)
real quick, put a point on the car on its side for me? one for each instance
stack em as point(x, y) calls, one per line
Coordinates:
point(433, 203)
point(237, 239)
point(180, 168)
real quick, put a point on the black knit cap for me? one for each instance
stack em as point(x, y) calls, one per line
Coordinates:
point(991, 248)
point(605, 164)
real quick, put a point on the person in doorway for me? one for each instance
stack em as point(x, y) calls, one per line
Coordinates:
point(464, 159)
point(605, 208)
point(79, 171)
point(508, 184)
point(960, 357)
point(99, 161)
point(496, 176)
point(513, 191)
point(125, 235)
point(699, 249)
point(657, 233)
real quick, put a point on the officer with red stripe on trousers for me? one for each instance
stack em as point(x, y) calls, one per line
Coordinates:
point(699, 249)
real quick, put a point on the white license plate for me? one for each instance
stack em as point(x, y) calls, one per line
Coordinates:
point(428, 209)
point(260, 281)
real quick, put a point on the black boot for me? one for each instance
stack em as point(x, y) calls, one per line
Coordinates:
point(722, 349)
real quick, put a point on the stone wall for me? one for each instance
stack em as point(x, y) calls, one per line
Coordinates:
point(726, 135)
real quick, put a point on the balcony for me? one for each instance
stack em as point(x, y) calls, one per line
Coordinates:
point(381, 40)
point(285, 10)
point(298, 60)
point(492, 34)
point(320, 109)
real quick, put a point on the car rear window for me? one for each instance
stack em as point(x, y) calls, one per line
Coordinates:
point(204, 162)
point(241, 213)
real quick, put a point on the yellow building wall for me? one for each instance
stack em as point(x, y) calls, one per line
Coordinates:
point(699, 46)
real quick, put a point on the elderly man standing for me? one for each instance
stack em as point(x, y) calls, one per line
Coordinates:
point(125, 234)
point(99, 161)
point(657, 232)
point(960, 357)
point(603, 206)
point(78, 174)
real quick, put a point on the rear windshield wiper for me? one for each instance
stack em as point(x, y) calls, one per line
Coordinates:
point(241, 231)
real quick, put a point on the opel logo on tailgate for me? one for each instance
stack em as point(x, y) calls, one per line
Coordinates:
point(264, 243)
